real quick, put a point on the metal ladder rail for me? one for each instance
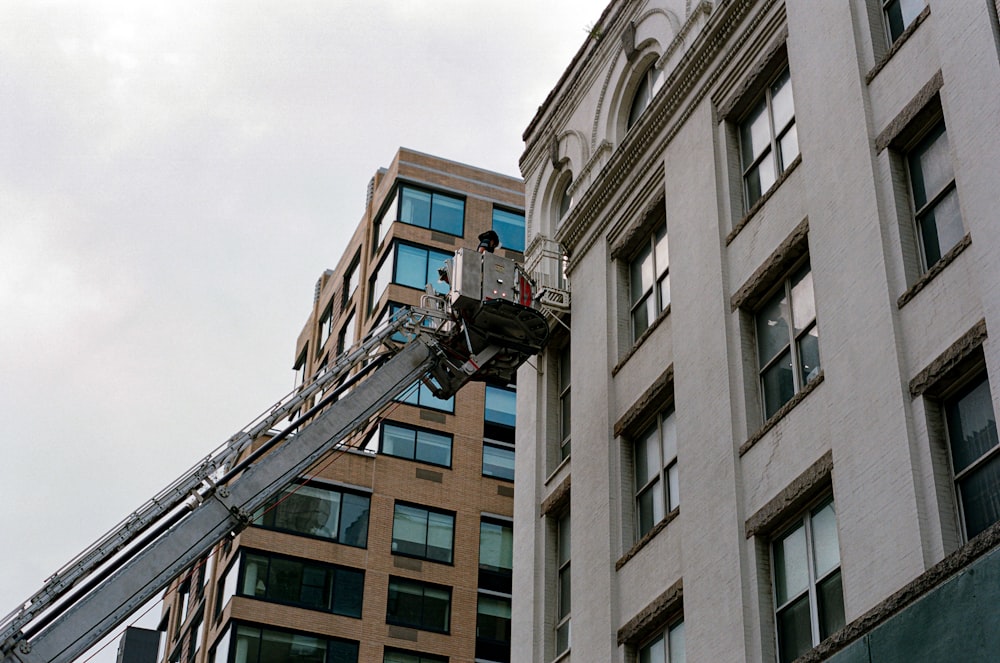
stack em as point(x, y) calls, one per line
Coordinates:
point(89, 618)
point(189, 483)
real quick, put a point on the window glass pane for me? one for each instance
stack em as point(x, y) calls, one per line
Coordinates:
point(809, 355)
point(826, 551)
point(803, 304)
point(791, 566)
point(794, 631)
point(641, 316)
point(354, 520)
point(409, 531)
point(778, 384)
point(931, 159)
point(654, 652)
point(405, 603)
point(772, 327)
point(789, 146)
point(661, 250)
point(411, 266)
point(562, 637)
point(830, 599)
point(564, 539)
point(663, 291)
point(496, 546)
point(416, 208)
point(980, 494)
point(398, 441)
point(647, 456)
point(448, 214)
point(255, 576)
point(941, 227)
point(434, 448)
point(349, 594)
point(498, 462)
point(674, 488)
point(437, 608)
point(669, 430)
point(247, 645)
point(639, 101)
point(565, 593)
point(676, 637)
point(972, 427)
point(284, 580)
point(501, 406)
point(755, 134)
point(899, 15)
point(650, 505)
point(641, 274)
point(782, 107)
point(509, 226)
point(435, 261)
point(440, 531)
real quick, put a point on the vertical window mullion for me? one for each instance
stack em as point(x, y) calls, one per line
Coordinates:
point(811, 566)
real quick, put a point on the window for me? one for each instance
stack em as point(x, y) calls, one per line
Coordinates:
point(498, 461)
point(510, 227)
point(666, 647)
point(300, 367)
point(564, 403)
point(649, 282)
point(500, 417)
point(408, 265)
point(303, 583)
point(226, 589)
point(420, 394)
point(194, 643)
point(496, 555)
point(400, 656)
point(787, 340)
point(351, 281)
point(655, 456)
point(493, 628)
point(768, 139)
point(319, 511)
point(899, 14)
point(564, 196)
point(266, 645)
point(935, 201)
point(563, 598)
point(325, 329)
point(419, 207)
point(423, 533)
point(975, 452)
point(346, 338)
point(808, 595)
point(649, 85)
point(419, 605)
point(416, 444)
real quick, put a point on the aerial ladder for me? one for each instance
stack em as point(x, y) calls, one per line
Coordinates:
point(483, 329)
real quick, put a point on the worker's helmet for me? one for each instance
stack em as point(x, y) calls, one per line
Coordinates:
point(489, 240)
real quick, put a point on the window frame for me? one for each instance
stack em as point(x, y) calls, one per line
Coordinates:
point(275, 502)
point(427, 512)
point(487, 648)
point(963, 388)
point(782, 290)
point(649, 83)
point(497, 578)
point(423, 586)
point(667, 482)
point(519, 244)
point(659, 281)
point(231, 638)
point(331, 578)
point(417, 431)
point(804, 520)
point(894, 32)
point(781, 164)
point(564, 372)
point(563, 598)
point(664, 635)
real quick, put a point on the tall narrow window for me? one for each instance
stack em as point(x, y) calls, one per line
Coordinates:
point(649, 281)
point(563, 598)
point(351, 281)
point(564, 403)
point(975, 452)
point(500, 416)
point(808, 593)
point(787, 340)
point(655, 454)
point(768, 139)
point(899, 14)
point(493, 628)
point(325, 328)
point(649, 85)
point(496, 555)
point(935, 201)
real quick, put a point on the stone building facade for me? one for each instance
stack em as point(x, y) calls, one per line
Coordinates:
point(765, 427)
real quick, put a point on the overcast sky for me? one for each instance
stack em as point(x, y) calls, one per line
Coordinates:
point(174, 176)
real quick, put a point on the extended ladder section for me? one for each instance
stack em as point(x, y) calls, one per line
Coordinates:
point(444, 343)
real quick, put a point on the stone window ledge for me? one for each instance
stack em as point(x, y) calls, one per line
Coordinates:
point(935, 269)
point(653, 616)
point(898, 44)
point(781, 413)
point(642, 339)
point(802, 490)
point(647, 537)
point(742, 223)
point(943, 365)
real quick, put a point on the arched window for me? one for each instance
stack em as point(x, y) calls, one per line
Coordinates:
point(563, 197)
point(650, 83)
